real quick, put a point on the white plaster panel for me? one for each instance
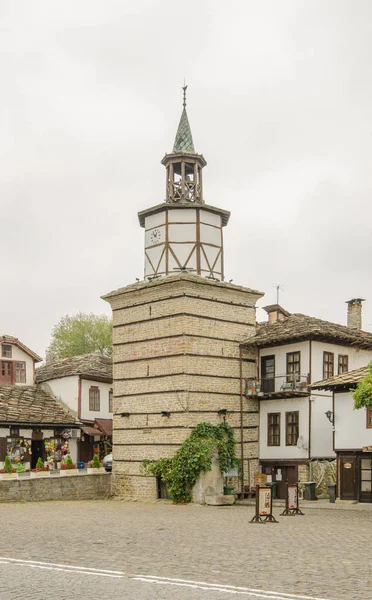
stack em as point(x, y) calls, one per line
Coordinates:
point(182, 233)
point(321, 428)
point(154, 254)
point(48, 433)
point(282, 406)
point(280, 353)
point(351, 430)
point(160, 236)
point(182, 216)
point(210, 235)
point(357, 357)
point(72, 444)
point(155, 220)
point(211, 253)
point(26, 433)
point(4, 432)
point(211, 218)
point(65, 389)
point(148, 268)
point(21, 356)
point(183, 251)
point(104, 389)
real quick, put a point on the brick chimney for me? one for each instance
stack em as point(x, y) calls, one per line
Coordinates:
point(354, 313)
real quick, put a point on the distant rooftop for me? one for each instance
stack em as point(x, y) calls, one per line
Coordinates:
point(29, 404)
point(93, 366)
point(350, 379)
point(9, 339)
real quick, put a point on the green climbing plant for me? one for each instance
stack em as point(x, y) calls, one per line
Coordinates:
point(195, 455)
point(363, 391)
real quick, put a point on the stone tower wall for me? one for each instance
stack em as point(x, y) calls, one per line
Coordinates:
point(176, 349)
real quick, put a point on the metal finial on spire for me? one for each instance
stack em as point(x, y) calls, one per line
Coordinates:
point(184, 87)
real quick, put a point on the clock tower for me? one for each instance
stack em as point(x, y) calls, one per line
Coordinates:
point(183, 233)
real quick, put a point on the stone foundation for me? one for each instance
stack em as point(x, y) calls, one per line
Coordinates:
point(79, 487)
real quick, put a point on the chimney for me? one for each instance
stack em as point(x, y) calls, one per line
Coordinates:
point(276, 313)
point(354, 313)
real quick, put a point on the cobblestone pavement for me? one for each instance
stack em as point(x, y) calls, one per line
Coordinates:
point(144, 547)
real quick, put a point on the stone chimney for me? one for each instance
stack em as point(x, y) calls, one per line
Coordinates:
point(276, 313)
point(354, 313)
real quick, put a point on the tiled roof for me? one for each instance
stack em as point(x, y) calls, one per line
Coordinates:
point(183, 141)
point(344, 380)
point(299, 327)
point(29, 404)
point(93, 366)
point(9, 339)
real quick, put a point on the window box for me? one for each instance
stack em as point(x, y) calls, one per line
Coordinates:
point(9, 475)
point(67, 472)
point(93, 470)
point(35, 474)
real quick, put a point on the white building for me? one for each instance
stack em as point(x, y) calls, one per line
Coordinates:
point(84, 385)
point(17, 362)
point(352, 436)
point(292, 352)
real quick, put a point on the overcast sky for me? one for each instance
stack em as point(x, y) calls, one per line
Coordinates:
point(279, 103)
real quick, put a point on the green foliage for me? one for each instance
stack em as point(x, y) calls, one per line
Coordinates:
point(40, 464)
point(21, 468)
point(363, 392)
point(8, 467)
point(69, 462)
point(96, 463)
point(81, 334)
point(195, 455)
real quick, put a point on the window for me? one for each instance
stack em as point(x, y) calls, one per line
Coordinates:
point(369, 417)
point(20, 369)
point(6, 350)
point(291, 428)
point(293, 366)
point(6, 368)
point(94, 403)
point(328, 365)
point(111, 395)
point(343, 363)
point(273, 429)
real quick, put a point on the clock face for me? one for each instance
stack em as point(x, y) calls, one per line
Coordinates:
point(155, 236)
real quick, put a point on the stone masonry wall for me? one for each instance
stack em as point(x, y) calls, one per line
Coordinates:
point(79, 487)
point(176, 349)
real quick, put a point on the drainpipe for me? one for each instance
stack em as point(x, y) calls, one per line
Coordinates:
point(310, 415)
point(79, 397)
point(241, 417)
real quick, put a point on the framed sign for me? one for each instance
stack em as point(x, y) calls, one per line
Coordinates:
point(291, 504)
point(264, 506)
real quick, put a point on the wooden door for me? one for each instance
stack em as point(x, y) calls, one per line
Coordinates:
point(288, 475)
point(6, 373)
point(37, 447)
point(268, 374)
point(348, 488)
point(365, 483)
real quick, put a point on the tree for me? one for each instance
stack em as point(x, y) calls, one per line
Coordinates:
point(363, 391)
point(81, 334)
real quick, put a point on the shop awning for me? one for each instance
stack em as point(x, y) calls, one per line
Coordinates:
point(91, 431)
point(105, 425)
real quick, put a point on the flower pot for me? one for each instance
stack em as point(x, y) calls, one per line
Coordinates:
point(67, 472)
point(9, 475)
point(40, 474)
point(92, 470)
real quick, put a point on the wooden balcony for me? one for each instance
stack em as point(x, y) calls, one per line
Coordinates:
point(280, 386)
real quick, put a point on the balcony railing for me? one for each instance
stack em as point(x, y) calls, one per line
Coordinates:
point(280, 384)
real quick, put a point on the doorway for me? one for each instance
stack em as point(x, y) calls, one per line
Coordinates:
point(348, 489)
point(37, 447)
point(268, 374)
point(365, 484)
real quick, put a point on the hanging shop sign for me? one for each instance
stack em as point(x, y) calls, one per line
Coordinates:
point(367, 449)
point(66, 434)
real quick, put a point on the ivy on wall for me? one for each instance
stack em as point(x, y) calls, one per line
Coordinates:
point(195, 455)
point(363, 391)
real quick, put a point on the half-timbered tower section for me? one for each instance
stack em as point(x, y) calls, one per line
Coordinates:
point(176, 335)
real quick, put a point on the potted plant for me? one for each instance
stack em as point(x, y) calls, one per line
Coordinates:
point(95, 466)
point(40, 470)
point(8, 472)
point(68, 467)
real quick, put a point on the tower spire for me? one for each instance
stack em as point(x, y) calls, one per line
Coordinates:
point(184, 141)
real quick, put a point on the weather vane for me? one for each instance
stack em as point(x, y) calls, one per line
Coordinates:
point(184, 87)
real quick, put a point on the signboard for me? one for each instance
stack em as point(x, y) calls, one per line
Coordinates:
point(264, 506)
point(367, 449)
point(348, 466)
point(291, 504)
point(260, 479)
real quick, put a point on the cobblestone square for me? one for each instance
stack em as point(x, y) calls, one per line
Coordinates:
point(112, 549)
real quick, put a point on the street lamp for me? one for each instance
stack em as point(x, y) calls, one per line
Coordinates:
point(330, 416)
